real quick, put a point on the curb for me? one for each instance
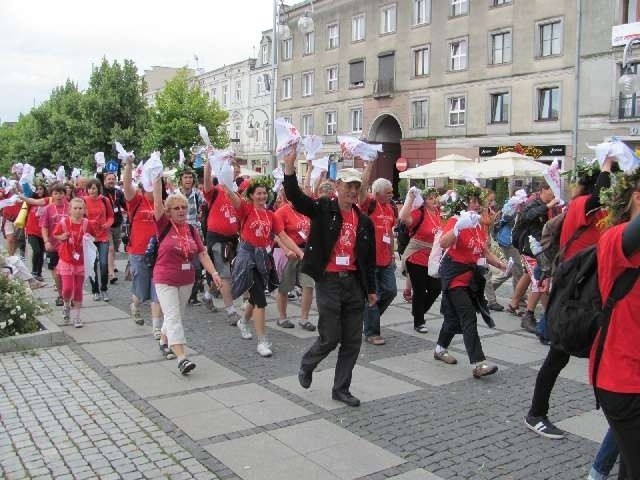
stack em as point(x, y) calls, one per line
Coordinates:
point(50, 336)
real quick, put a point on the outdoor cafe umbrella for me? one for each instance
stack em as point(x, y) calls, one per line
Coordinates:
point(450, 166)
point(509, 164)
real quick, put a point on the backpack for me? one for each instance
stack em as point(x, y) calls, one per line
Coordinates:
point(404, 234)
point(520, 234)
point(151, 252)
point(575, 311)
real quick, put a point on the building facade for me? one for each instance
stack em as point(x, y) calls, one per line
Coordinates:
point(156, 79)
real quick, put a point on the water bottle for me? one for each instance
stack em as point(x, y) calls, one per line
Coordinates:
point(536, 247)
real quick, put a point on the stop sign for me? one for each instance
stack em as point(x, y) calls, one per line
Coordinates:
point(401, 164)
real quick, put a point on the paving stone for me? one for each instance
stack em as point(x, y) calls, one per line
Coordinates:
point(592, 425)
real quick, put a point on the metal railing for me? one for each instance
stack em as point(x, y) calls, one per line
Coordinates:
point(625, 108)
point(383, 87)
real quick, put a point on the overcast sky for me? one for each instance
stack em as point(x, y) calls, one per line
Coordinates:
point(44, 42)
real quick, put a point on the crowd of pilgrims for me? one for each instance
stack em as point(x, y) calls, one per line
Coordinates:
point(248, 242)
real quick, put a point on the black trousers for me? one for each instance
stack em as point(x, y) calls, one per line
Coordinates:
point(547, 375)
point(340, 307)
point(462, 319)
point(623, 414)
point(426, 291)
point(37, 254)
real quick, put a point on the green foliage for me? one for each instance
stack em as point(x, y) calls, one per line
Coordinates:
point(174, 119)
point(18, 308)
point(403, 188)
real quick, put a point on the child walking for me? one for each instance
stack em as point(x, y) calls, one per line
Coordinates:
point(69, 231)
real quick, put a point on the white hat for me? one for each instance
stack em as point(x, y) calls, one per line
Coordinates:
point(349, 175)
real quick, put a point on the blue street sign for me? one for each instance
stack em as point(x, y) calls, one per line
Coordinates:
point(111, 166)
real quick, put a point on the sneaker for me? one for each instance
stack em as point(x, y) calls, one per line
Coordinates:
point(66, 314)
point(97, 297)
point(59, 302)
point(528, 322)
point(543, 427)
point(291, 295)
point(105, 297)
point(185, 366)
point(244, 329)
point(194, 302)
point(375, 340)
point(233, 318)
point(166, 351)
point(445, 357)
point(135, 314)
point(285, 323)
point(496, 307)
point(77, 323)
point(157, 333)
point(484, 369)
point(264, 348)
point(421, 329)
point(208, 302)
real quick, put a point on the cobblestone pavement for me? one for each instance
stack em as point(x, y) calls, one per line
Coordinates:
point(241, 416)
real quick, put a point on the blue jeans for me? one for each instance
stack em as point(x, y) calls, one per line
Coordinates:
point(386, 290)
point(605, 458)
point(101, 269)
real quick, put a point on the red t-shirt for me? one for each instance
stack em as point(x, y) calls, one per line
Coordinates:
point(51, 217)
point(426, 232)
point(223, 218)
point(175, 252)
point(383, 218)
point(343, 255)
point(143, 224)
point(100, 215)
point(32, 228)
point(620, 364)
point(258, 225)
point(296, 225)
point(71, 250)
point(469, 247)
point(11, 212)
point(573, 220)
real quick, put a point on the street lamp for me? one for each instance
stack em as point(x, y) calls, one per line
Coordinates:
point(251, 129)
point(629, 81)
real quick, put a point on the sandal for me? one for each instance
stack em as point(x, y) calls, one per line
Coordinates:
point(406, 294)
point(167, 352)
point(513, 310)
point(286, 323)
point(308, 326)
point(185, 366)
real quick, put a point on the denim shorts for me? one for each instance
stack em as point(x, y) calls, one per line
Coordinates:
point(141, 279)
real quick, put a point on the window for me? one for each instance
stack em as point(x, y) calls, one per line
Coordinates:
point(333, 36)
point(629, 11)
point(388, 19)
point(309, 44)
point(307, 84)
point(356, 120)
point(307, 124)
point(286, 88)
point(225, 91)
point(266, 79)
point(287, 49)
point(236, 130)
point(501, 48)
point(419, 114)
point(497, 3)
point(499, 107)
point(548, 103)
point(260, 85)
point(238, 90)
point(421, 61)
point(459, 7)
point(332, 79)
point(456, 111)
point(421, 12)
point(331, 122)
point(550, 38)
point(265, 54)
point(457, 55)
point(357, 28)
point(629, 106)
point(356, 74)
point(214, 93)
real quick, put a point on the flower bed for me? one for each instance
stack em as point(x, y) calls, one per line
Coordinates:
point(19, 309)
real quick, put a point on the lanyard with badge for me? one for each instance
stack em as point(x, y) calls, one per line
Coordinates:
point(386, 236)
point(183, 243)
point(342, 258)
point(75, 239)
point(263, 226)
point(301, 220)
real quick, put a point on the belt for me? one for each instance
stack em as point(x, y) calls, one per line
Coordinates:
point(343, 274)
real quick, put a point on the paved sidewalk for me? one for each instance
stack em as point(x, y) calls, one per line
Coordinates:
point(108, 406)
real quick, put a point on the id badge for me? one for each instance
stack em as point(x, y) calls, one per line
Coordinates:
point(342, 260)
point(186, 266)
point(386, 239)
point(232, 219)
point(482, 262)
point(302, 235)
point(76, 256)
point(268, 249)
point(116, 210)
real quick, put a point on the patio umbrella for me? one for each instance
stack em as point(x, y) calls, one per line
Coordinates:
point(450, 166)
point(509, 164)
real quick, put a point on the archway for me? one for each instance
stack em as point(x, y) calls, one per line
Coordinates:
point(386, 130)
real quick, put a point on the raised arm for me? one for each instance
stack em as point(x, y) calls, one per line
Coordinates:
point(301, 202)
point(158, 206)
point(207, 182)
point(234, 198)
point(603, 181)
point(405, 212)
point(127, 180)
point(366, 182)
point(35, 202)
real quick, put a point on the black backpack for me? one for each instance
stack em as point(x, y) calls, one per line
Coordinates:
point(404, 234)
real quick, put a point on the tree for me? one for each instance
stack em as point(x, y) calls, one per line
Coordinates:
point(115, 107)
point(174, 119)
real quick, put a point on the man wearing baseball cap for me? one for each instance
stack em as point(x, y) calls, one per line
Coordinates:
point(340, 256)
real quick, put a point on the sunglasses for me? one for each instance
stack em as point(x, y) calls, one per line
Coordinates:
point(181, 207)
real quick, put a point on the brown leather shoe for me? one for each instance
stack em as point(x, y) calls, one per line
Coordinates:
point(375, 340)
point(445, 357)
point(483, 370)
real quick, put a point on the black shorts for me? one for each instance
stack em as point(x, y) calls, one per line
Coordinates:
point(52, 260)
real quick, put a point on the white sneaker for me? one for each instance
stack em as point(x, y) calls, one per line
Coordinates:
point(105, 297)
point(77, 323)
point(97, 297)
point(157, 333)
point(264, 348)
point(244, 329)
point(66, 314)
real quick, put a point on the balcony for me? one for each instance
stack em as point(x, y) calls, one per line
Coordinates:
point(625, 109)
point(383, 88)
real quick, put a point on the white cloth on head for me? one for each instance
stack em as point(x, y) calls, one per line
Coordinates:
point(287, 135)
point(311, 144)
point(151, 170)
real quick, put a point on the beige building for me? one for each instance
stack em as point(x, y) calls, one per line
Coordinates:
point(433, 77)
point(156, 79)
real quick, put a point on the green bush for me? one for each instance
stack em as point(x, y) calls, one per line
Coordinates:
point(18, 308)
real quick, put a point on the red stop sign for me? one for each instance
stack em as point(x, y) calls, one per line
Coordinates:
point(401, 164)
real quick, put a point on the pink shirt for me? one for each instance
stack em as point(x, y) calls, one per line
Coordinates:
point(175, 253)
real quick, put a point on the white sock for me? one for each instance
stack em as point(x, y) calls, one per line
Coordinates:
point(157, 323)
point(75, 314)
point(440, 349)
point(231, 309)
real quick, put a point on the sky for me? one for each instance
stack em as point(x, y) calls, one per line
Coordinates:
point(45, 42)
